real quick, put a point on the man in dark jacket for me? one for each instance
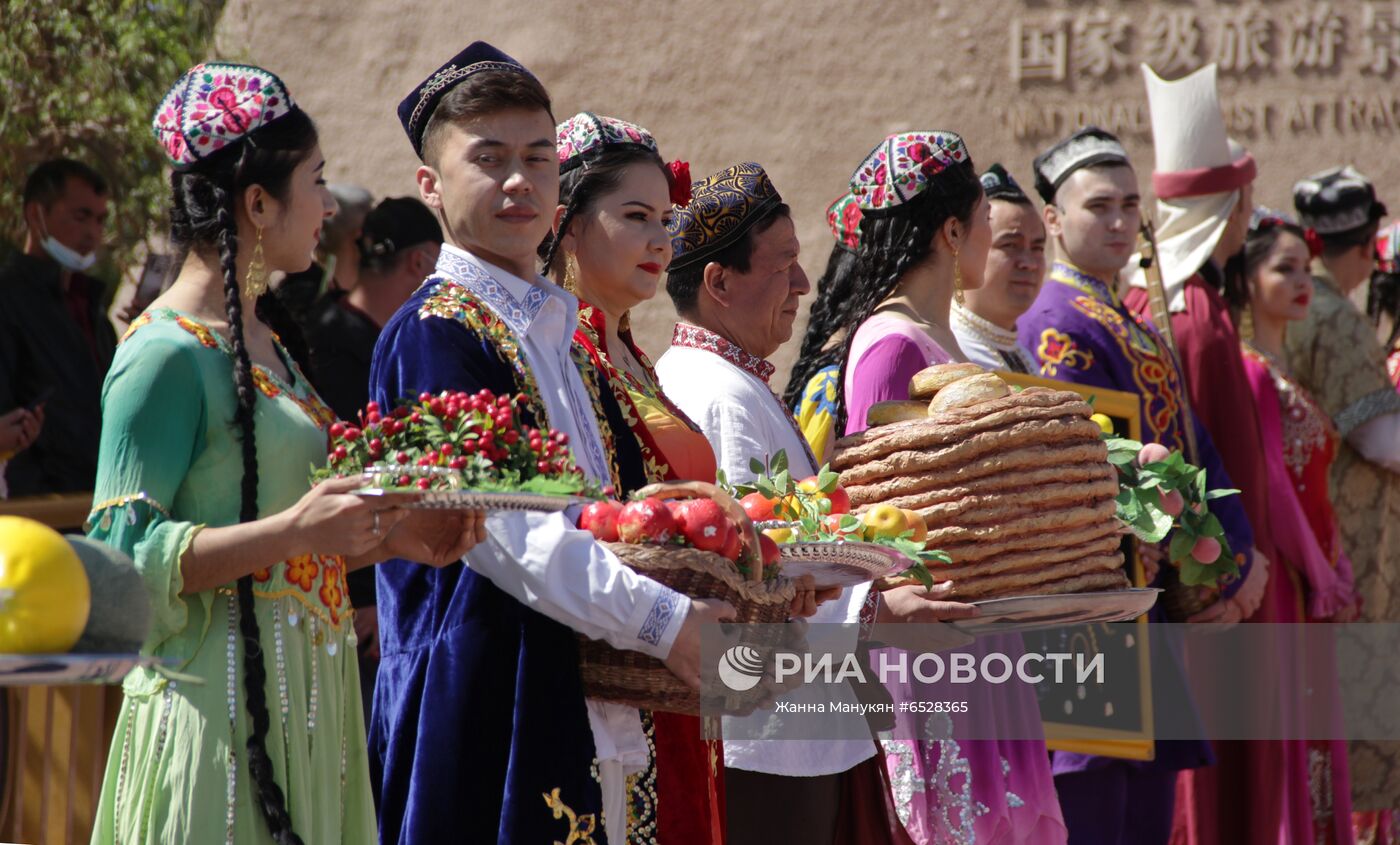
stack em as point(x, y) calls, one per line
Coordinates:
point(56, 342)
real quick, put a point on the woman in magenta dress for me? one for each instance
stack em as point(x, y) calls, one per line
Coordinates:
point(924, 237)
point(1314, 583)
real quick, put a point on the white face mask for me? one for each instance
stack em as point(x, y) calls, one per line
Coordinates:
point(67, 258)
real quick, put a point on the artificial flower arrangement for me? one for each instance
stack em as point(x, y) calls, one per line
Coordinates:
point(454, 440)
point(817, 510)
point(1161, 494)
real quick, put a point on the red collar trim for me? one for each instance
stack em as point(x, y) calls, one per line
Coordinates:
point(694, 337)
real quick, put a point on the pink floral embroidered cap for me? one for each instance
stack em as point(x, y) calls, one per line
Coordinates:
point(906, 164)
point(215, 104)
point(843, 216)
point(586, 135)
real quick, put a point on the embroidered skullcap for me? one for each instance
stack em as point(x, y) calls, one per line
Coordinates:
point(417, 108)
point(1388, 249)
point(585, 136)
point(215, 104)
point(843, 216)
point(1263, 214)
point(722, 208)
point(997, 184)
point(1085, 148)
point(906, 164)
point(1336, 201)
point(397, 224)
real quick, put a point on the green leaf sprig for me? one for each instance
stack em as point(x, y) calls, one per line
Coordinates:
point(806, 513)
point(1142, 491)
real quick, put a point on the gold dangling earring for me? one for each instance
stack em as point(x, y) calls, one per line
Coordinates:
point(1247, 323)
point(255, 283)
point(957, 280)
point(570, 273)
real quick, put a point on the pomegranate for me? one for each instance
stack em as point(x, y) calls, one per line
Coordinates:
point(704, 525)
point(647, 521)
point(600, 518)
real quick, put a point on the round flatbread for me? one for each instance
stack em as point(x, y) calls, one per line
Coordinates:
point(927, 382)
point(966, 392)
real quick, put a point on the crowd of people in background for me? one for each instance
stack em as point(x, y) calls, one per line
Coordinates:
point(515, 270)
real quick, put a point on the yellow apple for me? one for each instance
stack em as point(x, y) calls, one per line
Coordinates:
point(884, 522)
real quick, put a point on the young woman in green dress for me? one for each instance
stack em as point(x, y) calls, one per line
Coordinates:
point(249, 729)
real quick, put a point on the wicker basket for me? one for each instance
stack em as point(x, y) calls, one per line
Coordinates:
point(637, 680)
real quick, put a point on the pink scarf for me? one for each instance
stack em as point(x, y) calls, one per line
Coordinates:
point(1329, 588)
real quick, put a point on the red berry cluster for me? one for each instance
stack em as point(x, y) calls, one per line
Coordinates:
point(480, 435)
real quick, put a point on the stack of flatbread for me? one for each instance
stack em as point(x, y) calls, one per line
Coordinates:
point(1015, 487)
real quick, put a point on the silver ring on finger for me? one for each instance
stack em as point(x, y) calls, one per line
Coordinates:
point(376, 522)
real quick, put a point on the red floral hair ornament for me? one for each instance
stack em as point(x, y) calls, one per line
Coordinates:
point(1314, 241)
point(678, 175)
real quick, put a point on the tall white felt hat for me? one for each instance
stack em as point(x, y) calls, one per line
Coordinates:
point(1188, 136)
point(1199, 173)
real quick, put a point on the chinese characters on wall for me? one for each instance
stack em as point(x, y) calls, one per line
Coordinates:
point(1294, 42)
point(1099, 42)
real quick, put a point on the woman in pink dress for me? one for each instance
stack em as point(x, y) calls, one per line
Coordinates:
point(1314, 583)
point(924, 237)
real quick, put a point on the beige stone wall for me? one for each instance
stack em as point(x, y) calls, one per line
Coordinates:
point(806, 87)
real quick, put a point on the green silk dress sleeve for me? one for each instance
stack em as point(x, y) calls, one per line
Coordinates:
point(153, 421)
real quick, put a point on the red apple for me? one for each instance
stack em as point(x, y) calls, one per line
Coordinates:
point(840, 501)
point(1151, 453)
point(771, 555)
point(1206, 550)
point(1172, 503)
point(647, 521)
point(601, 519)
point(705, 525)
point(733, 544)
point(758, 506)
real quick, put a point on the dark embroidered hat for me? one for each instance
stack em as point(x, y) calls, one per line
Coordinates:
point(1085, 148)
point(418, 106)
point(722, 208)
point(1336, 201)
point(997, 184)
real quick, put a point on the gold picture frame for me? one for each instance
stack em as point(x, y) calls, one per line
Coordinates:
point(1124, 409)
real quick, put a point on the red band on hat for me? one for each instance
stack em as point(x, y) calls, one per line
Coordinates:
point(1205, 180)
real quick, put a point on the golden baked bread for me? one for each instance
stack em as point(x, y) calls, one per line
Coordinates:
point(973, 390)
point(885, 413)
point(957, 424)
point(927, 382)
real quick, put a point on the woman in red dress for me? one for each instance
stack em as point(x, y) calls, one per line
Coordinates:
point(1314, 582)
point(612, 244)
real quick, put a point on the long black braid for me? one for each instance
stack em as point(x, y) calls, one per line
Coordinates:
point(202, 215)
point(890, 245)
point(820, 348)
point(580, 187)
point(270, 798)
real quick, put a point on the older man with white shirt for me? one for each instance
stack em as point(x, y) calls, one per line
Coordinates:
point(735, 281)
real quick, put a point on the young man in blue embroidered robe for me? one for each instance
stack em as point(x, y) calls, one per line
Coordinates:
point(1079, 331)
point(480, 731)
